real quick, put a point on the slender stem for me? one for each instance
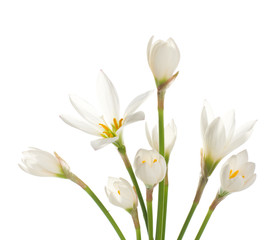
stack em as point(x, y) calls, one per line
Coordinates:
point(122, 151)
point(160, 209)
point(149, 198)
point(79, 182)
point(166, 189)
point(201, 186)
point(212, 207)
point(205, 221)
point(134, 214)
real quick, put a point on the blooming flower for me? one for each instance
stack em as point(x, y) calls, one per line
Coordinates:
point(109, 125)
point(163, 58)
point(150, 167)
point(120, 193)
point(220, 137)
point(237, 174)
point(170, 137)
point(40, 163)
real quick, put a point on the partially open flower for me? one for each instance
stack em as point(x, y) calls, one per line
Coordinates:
point(163, 58)
point(170, 137)
point(150, 167)
point(220, 137)
point(121, 194)
point(40, 163)
point(108, 126)
point(237, 174)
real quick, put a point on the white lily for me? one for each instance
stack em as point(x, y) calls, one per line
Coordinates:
point(163, 58)
point(120, 193)
point(109, 124)
point(237, 174)
point(150, 167)
point(40, 163)
point(170, 137)
point(220, 137)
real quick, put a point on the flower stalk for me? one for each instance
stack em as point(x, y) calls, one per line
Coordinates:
point(123, 154)
point(134, 214)
point(149, 198)
point(79, 182)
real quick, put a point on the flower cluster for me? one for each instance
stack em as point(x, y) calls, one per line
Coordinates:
point(219, 135)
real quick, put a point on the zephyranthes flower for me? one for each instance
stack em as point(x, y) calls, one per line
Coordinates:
point(109, 125)
point(163, 58)
point(40, 163)
point(170, 137)
point(220, 137)
point(120, 193)
point(150, 167)
point(237, 174)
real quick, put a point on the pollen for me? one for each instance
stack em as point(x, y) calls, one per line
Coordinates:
point(233, 175)
point(118, 192)
point(155, 160)
point(143, 161)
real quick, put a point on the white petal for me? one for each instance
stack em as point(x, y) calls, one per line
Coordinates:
point(241, 136)
point(138, 116)
point(108, 98)
point(149, 139)
point(229, 123)
point(149, 45)
point(155, 138)
point(81, 125)
point(102, 142)
point(136, 102)
point(207, 117)
point(215, 139)
point(170, 136)
point(85, 109)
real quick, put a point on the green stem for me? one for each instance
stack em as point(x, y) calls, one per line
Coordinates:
point(79, 182)
point(149, 199)
point(134, 214)
point(122, 151)
point(201, 186)
point(166, 189)
point(205, 221)
point(160, 209)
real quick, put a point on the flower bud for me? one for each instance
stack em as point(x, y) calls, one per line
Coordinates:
point(40, 163)
point(237, 174)
point(121, 194)
point(170, 138)
point(163, 58)
point(150, 167)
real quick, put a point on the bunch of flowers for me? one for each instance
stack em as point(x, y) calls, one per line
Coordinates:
point(219, 134)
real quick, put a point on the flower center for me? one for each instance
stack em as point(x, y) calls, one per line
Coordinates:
point(111, 132)
point(233, 175)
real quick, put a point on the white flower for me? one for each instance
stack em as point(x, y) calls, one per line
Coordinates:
point(150, 167)
point(163, 58)
point(237, 174)
point(40, 163)
point(170, 137)
point(220, 136)
point(109, 125)
point(120, 193)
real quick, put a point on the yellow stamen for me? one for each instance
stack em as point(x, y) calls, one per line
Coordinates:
point(118, 192)
point(104, 126)
point(243, 176)
point(120, 122)
point(115, 123)
point(234, 174)
point(143, 161)
point(155, 160)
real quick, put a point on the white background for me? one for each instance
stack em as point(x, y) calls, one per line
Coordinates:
point(49, 49)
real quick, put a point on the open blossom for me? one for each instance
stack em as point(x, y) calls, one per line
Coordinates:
point(150, 167)
point(170, 137)
point(220, 137)
point(40, 163)
point(120, 193)
point(237, 174)
point(108, 125)
point(163, 58)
